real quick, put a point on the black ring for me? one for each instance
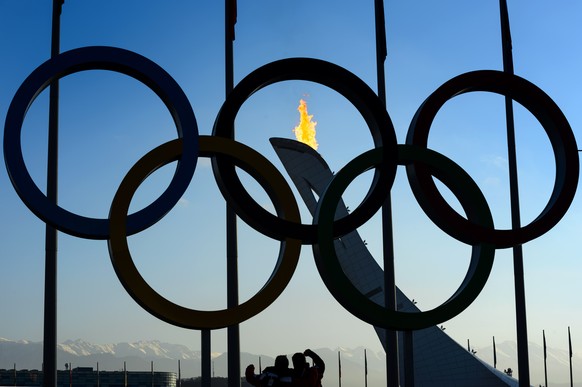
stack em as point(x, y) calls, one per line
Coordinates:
point(355, 91)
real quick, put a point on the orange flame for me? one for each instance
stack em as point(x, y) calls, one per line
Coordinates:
point(305, 131)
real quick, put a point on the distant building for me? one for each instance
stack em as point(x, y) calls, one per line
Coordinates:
point(87, 377)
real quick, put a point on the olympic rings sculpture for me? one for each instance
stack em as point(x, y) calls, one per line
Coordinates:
point(422, 165)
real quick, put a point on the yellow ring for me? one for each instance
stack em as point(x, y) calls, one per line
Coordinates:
point(277, 189)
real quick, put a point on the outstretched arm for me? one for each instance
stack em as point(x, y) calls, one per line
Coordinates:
point(251, 377)
point(319, 363)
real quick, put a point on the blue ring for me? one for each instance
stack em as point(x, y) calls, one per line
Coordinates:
point(99, 58)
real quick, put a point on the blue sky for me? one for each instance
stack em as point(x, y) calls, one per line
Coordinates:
point(108, 121)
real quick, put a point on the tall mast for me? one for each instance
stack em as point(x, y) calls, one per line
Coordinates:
point(391, 337)
point(520, 312)
point(233, 332)
point(50, 279)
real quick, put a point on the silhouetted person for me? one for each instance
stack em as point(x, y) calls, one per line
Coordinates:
point(303, 374)
point(273, 376)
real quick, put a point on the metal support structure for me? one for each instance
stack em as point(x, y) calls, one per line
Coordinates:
point(206, 359)
point(391, 337)
point(545, 360)
point(233, 343)
point(408, 359)
point(233, 332)
point(339, 373)
point(520, 310)
point(494, 354)
point(50, 280)
point(570, 353)
point(365, 369)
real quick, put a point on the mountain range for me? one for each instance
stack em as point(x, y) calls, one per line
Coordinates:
point(138, 356)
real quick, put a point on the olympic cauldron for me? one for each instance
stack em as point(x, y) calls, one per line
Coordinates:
point(422, 165)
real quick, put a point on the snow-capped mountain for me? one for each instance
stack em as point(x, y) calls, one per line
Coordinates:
point(138, 356)
point(557, 361)
point(151, 349)
point(135, 356)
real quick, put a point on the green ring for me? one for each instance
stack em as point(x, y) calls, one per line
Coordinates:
point(344, 291)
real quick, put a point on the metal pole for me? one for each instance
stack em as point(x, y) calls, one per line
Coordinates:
point(545, 361)
point(570, 352)
point(494, 354)
point(206, 360)
point(50, 280)
point(408, 359)
point(339, 372)
point(520, 312)
point(233, 332)
point(391, 337)
point(365, 369)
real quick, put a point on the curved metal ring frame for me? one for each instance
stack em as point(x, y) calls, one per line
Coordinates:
point(422, 165)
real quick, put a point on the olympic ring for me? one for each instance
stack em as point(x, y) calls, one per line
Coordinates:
point(554, 123)
point(344, 291)
point(258, 167)
point(101, 58)
point(422, 164)
point(353, 89)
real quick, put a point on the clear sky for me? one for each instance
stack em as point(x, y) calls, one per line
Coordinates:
point(108, 121)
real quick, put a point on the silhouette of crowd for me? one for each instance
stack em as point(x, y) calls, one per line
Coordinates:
point(301, 375)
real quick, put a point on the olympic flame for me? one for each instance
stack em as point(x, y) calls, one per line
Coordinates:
point(305, 131)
